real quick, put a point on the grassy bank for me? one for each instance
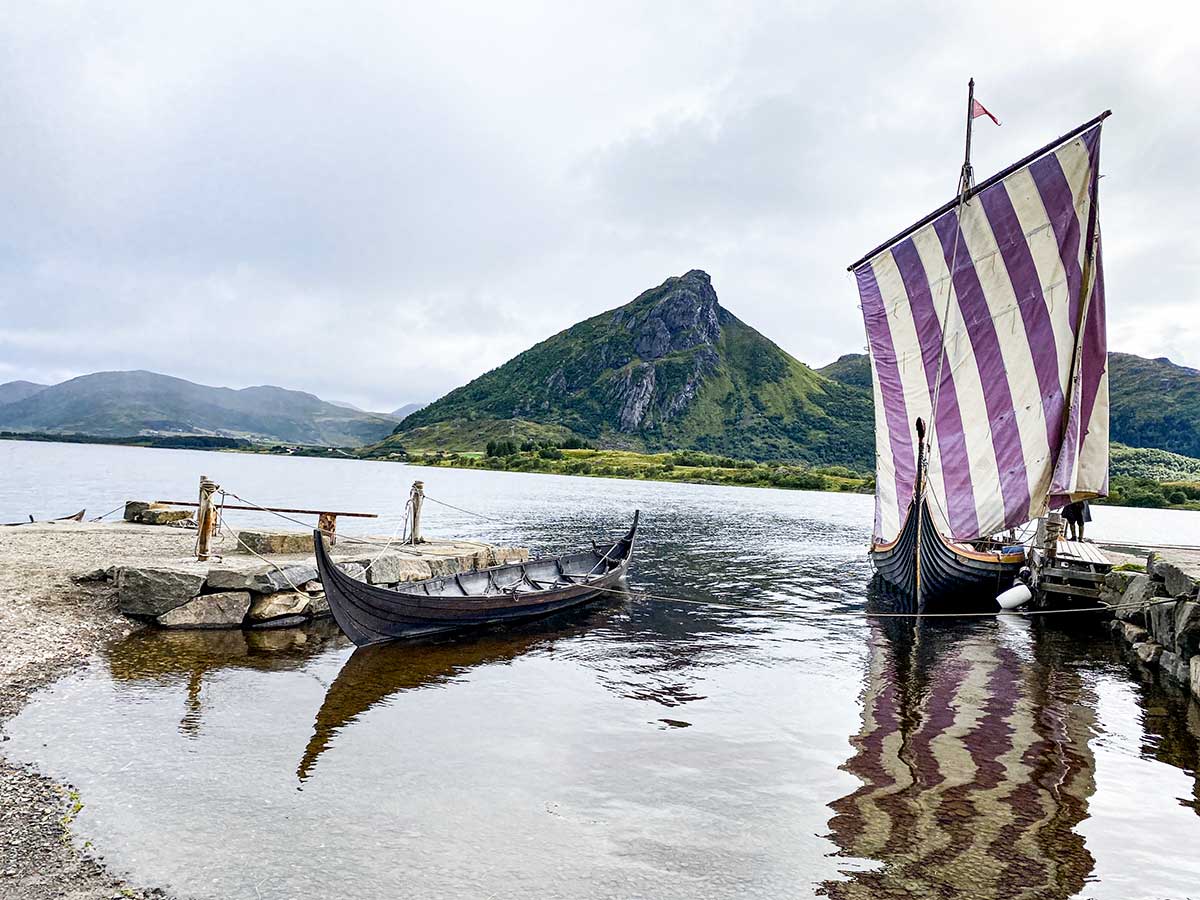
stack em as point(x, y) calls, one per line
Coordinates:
point(684, 466)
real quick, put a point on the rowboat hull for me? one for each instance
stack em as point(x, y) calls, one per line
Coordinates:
point(370, 614)
point(952, 578)
point(77, 517)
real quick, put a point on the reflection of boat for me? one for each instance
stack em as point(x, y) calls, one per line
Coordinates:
point(76, 517)
point(975, 769)
point(369, 614)
point(986, 322)
point(373, 674)
point(169, 657)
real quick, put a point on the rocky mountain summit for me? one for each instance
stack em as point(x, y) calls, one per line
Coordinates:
point(670, 369)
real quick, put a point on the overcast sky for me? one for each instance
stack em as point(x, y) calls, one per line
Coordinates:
point(377, 203)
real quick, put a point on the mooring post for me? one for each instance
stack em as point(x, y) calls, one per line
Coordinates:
point(206, 517)
point(327, 525)
point(415, 499)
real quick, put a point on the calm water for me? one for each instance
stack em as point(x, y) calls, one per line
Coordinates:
point(635, 749)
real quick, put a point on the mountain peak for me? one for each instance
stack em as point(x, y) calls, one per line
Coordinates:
point(680, 314)
point(670, 369)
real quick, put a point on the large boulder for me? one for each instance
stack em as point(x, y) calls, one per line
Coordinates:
point(1113, 588)
point(1148, 652)
point(319, 606)
point(223, 610)
point(1174, 665)
point(164, 516)
point(1187, 628)
point(154, 591)
point(134, 510)
point(391, 567)
point(1138, 592)
point(1134, 633)
point(1160, 620)
point(262, 580)
point(276, 606)
point(1177, 582)
point(275, 542)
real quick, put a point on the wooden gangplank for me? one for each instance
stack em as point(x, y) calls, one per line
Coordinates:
point(1084, 552)
point(1076, 570)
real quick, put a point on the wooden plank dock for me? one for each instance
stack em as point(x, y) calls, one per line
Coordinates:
point(1076, 569)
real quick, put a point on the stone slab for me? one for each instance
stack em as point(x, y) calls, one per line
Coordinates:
point(134, 509)
point(1187, 628)
point(1139, 591)
point(1134, 633)
point(1160, 620)
point(164, 516)
point(224, 610)
point(270, 543)
point(1174, 666)
point(1148, 652)
point(276, 606)
point(153, 591)
point(263, 578)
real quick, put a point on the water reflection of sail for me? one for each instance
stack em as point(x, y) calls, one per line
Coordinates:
point(975, 771)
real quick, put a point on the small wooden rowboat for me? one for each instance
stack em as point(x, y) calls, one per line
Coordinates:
point(77, 517)
point(369, 614)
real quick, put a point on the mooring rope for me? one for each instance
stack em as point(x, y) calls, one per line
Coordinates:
point(469, 512)
point(107, 514)
point(326, 532)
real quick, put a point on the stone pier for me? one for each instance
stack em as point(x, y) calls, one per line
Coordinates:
point(277, 585)
point(1159, 621)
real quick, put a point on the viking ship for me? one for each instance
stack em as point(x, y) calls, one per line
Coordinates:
point(369, 614)
point(986, 331)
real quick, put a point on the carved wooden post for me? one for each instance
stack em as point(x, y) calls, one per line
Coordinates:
point(206, 517)
point(416, 498)
point(327, 524)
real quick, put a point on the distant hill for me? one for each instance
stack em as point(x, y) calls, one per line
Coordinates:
point(123, 404)
point(853, 369)
point(12, 391)
point(408, 409)
point(671, 369)
point(1153, 402)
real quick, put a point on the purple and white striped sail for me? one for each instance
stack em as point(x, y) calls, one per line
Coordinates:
point(1017, 332)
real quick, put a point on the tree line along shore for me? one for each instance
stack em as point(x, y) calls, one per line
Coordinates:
point(1141, 477)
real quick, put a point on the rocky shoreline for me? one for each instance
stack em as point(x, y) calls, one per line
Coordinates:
point(63, 588)
point(1158, 617)
point(49, 626)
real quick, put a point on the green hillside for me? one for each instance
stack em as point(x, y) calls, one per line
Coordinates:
point(125, 404)
point(671, 369)
point(1154, 403)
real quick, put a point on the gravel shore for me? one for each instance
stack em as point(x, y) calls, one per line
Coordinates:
point(50, 624)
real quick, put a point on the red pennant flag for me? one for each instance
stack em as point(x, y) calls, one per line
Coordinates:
point(978, 109)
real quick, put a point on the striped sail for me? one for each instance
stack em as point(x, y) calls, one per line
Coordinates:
point(1001, 300)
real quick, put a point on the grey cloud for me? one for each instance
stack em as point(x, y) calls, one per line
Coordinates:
point(423, 191)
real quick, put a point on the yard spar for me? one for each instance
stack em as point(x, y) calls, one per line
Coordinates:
point(986, 328)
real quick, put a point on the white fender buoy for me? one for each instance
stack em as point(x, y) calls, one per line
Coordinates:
point(1015, 596)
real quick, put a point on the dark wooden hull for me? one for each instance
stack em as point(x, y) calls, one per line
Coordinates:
point(952, 579)
point(77, 517)
point(370, 614)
